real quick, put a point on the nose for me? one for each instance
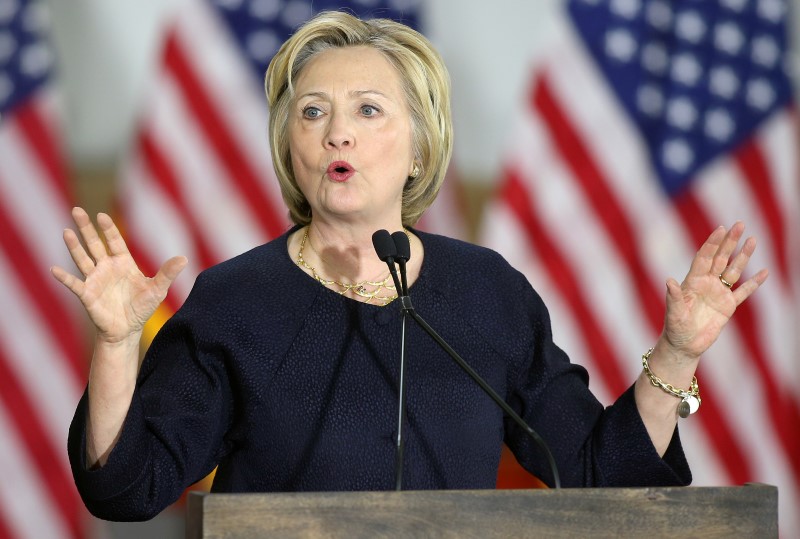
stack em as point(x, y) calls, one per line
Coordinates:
point(340, 132)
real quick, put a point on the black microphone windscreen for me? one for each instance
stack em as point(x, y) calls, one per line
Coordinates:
point(402, 244)
point(384, 244)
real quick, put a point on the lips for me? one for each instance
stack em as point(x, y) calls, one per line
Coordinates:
point(340, 171)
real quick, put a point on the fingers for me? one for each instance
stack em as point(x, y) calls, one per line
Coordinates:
point(726, 248)
point(744, 290)
point(714, 255)
point(83, 261)
point(74, 284)
point(704, 258)
point(730, 271)
point(89, 234)
point(114, 240)
point(736, 268)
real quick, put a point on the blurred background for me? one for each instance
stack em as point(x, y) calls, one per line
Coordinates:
point(597, 143)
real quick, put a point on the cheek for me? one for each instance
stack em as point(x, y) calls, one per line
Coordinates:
point(404, 138)
point(301, 173)
point(300, 166)
point(396, 143)
point(298, 152)
point(297, 137)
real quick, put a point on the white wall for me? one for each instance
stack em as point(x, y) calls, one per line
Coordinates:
point(488, 48)
point(106, 52)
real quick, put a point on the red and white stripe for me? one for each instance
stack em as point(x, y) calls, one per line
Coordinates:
point(199, 180)
point(42, 352)
point(581, 213)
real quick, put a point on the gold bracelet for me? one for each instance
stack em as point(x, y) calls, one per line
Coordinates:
point(690, 400)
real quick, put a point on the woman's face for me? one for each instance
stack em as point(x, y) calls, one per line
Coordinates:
point(350, 136)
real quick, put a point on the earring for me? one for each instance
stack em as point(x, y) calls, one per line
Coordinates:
point(415, 172)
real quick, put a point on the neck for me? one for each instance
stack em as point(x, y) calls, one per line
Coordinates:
point(345, 252)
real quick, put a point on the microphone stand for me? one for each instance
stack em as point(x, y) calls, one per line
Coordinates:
point(396, 247)
point(401, 407)
point(408, 309)
point(401, 389)
point(386, 249)
point(402, 253)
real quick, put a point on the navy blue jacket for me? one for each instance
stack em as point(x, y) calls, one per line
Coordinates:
point(287, 386)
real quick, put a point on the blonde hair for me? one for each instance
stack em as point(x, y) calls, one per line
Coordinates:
point(425, 82)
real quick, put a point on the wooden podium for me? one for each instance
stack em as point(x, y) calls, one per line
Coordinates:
point(676, 512)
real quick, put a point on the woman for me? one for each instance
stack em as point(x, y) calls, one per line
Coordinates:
point(281, 367)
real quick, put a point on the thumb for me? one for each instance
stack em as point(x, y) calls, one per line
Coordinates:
point(674, 292)
point(169, 271)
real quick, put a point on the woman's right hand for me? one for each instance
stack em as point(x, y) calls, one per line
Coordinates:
point(118, 298)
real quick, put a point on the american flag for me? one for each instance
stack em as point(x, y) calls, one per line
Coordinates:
point(199, 179)
point(647, 124)
point(42, 355)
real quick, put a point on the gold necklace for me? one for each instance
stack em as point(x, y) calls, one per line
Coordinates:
point(359, 289)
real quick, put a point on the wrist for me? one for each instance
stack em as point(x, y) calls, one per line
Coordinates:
point(116, 343)
point(114, 361)
point(666, 351)
point(689, 397)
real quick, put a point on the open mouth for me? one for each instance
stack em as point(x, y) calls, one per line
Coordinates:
point(340, 171)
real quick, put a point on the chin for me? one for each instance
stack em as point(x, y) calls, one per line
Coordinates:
point(345, 204)
point(345, 211)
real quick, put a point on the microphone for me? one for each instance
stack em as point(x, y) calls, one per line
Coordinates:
point(402, 253)
point(387, 251)
point(403, 247)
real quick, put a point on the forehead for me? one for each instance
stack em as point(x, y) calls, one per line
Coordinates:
point(358, 68)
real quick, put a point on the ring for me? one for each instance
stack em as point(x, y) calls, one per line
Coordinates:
point(723, 281)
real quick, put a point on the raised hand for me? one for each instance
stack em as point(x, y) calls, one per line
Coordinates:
point(118, 298)
point(699, 308)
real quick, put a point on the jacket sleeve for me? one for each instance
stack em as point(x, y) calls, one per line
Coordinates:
point(174, 430)
point(592, 446)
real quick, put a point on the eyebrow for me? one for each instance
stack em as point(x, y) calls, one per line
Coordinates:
point(354, 93)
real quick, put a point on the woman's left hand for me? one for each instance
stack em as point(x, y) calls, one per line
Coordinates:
point(699, 308)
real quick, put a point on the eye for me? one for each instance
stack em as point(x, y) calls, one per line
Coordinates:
point(311, 112)
point(369, 110)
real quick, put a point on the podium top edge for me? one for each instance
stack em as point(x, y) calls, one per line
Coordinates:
point(747, 487)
